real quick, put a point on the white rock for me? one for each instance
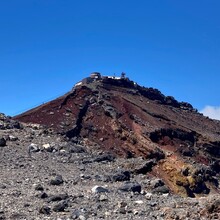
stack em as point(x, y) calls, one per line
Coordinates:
point(12, 138)
point(46, 146)
point(99, 189)
point(103, 198)
point(107, 214)
point(139, 202)
point(81, 217)
point(135, 212)
point(165, 195)
point(148, 196)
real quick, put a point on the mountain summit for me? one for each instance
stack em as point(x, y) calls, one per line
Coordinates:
point(117, 116)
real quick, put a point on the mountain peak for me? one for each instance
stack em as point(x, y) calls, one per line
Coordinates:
point(116, 115)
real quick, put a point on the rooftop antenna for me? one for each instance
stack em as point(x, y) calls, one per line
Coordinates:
point(123, 75)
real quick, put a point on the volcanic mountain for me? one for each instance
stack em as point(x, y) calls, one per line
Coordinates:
point(117, 116)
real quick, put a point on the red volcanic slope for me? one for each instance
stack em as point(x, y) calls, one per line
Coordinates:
point(123, 118)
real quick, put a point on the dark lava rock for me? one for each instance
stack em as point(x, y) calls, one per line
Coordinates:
point(43, 195)
point(131, 187)
point(39, 187)
point(60, 207)
point(185, 171)
point(161, 189)
point(2, 186)
point(106, 157)
point(58, 180)
point(157, 183)
point(58, 197)
point(14, 124)
point(147, 167)
point(2, 142)
point(45, 210)
point(199, 187)
point(76, 149)
point(121, 176)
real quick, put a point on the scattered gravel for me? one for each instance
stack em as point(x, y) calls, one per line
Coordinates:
point(37, 183)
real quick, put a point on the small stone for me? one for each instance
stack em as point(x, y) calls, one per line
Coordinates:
point(3, 186)
point(135, 212)
point(39, 187)
point(82, 217)
point(45, 210)
point(122, 211)
point(2, 142)
point(121, 176)
point(47, 147)
point(162, 189)
point(147, 167)
point(105, 157)
point(165, 195)
point(99, 189)
point(59, 197)
point(122, 204)
point(148, 196)
point(12, 138)
point(153, 204)
point(58, 180)
point(60, 207)
point(32, 148)
point(103, 198)
point(139, 202)
point(107, 214)
point(43, 195)
point(76, 149)
point(26, 205)
point(75, 214)
point(131, 187)
point(156, 183)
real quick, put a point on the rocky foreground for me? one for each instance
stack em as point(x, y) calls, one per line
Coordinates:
point(47, 176)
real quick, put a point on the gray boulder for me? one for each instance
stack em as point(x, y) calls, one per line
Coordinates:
point(57, 180)
point(131, 187)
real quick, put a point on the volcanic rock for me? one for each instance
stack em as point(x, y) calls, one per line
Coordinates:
point(57, 180)
point(60, 207)
point(45, 210)
point(58, 197)
point(121, 176)
point(131, 187)
point(99, 189)
point(2, 142)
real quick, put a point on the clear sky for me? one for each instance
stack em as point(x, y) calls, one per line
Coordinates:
point(46, 46)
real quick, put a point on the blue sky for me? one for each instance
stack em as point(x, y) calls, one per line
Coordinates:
point(46, 46)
